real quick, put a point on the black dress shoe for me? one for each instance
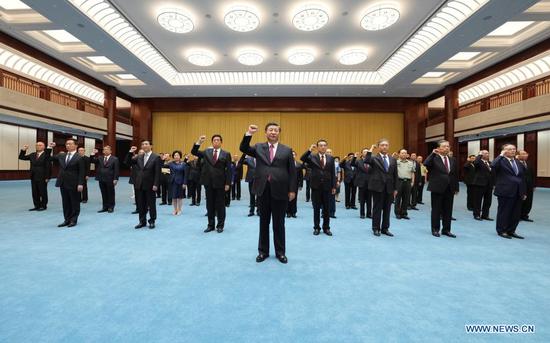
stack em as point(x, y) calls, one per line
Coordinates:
point(515, 235)
point(151, 225)
point(316, 232)
point(251, 214)
point(477, 218)
point(347, 207)
point(40, 209)
point(139, 226)
point(282, 259)
point(220, 229)
point(420, 202)
point(288, 215)
point(435, 234)
point(448, 234)
point(261, 257)
point(387, 233)
point(110, 210)
point(376, 233)
point(71, 224)
point(369, 216)
point(102, 210)
point(162, 203)
point(327, 232)
point(293, 216)
point(63, 224)
point(406, 217)
point(353, 207)
point(33, 209)
point(333, 217)
point(524, 219)
point(209, 229)
point(414, 209)
point(362, 217)
point(505, 235)
point(135, 212)
point(453, 218)
point(84, 201)
point(397, 216)
point(487, 218)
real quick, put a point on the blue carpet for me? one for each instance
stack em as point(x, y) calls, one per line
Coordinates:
point(103, 281)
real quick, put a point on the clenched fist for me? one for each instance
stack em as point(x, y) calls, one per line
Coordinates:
point(201, 140)
point(252, 129)
point(133, 149)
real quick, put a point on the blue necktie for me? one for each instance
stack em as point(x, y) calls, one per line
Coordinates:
point(515, 167)
point(386, 165)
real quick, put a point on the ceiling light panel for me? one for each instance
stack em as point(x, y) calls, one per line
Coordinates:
point(352, 56)
point(175, 20)
point(250, 57)
point(13, 5)
point(379, 17)
point(510, 28)
point(201, 58)
point(301, 56)
point(242, 19)
point(310, 17)
point(464, 56)
point(99, 60)
point(434, 74)
point(62, 36)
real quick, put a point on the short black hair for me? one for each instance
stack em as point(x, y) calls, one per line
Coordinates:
point(177, 152)
point(402, 150)
point(321, 140)
point(70, 139)
point(441, 142)
point(145, 140)
point(217, 135)
point(472, 156)
point(382, 140)
point(350, 153)
point(272, 124)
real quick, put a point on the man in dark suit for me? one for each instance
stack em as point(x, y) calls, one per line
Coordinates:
point(70, 180)
point(274, 183)
point(107, 173)
point(510, 189)
point(323, 184)
point(421, 179)
point(349, 177)
point(362, 171)
point(86, 159)
point(482, 186)
point(193, 180)
point(133, 172)
point(416, 182)
point(469, 175)
point(530, 177)
point(292, 209)
point(236, 186)
point(216, 178)
point(146, 183)
point(250, 163)
point(306, 179)
point(443, 183)
point(41, 170)
point(382, 184)
point(165, 180)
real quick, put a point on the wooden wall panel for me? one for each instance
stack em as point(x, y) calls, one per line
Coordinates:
point(345, 132)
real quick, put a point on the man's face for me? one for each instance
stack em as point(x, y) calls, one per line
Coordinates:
point(364, 152)
point(272, 133)
point(403, 154)
point(146, 146)
point(70, 146)
point(40, 146)
point(141, 152)
point(322, 147)
point(510, 151)
point(523, 155)
point(329, 152)
point(444, 148)
point(106, 151)
point(471, 158)
point(216, 142)
point(413, 157)
point(419, 159)
point(485, 155)
point(383, 147)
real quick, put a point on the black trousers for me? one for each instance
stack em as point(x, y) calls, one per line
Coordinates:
point(293, 205)
point(508, 214)
point(147, 202)
point(525, 207)
point(107, 195)
point(365, 198)
point(402, 197)
point(470, 197)
point(271, 208)
point(39, 193)
point(236, 190)
point(165, 188)
point(194, 192)
point(252, 203)
point(414, 194)
point(442, 210)
point(350, 191)
point(420, 192)
point(227, 198)
point(84, 194)
point(381, 210)
point(308, 191)
point(320, 199)
point(483, 197)
point(215, 206)
point(70, 199)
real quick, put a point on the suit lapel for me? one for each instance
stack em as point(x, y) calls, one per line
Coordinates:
point(266, 152)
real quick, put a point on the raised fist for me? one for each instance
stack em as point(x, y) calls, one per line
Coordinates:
point(95, 151)
point(313, 147)
point(133, 149)
point(25, 147)
point(201, 139)
point(52, 145)
point(252, 129)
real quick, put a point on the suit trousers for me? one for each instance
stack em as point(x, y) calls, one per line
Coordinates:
point(525, 207)
point(215, 206)
point(350, 192)
point(147, 202)
point(402, 197)
point(381, 210)
point(70, 199)
point(483, 197)
point(320, 199)
point(442, 210)
point(252, 203)
point(39, 193)
point(365, 198)
point(107, 194)
point(272, 208)
point(508, 214)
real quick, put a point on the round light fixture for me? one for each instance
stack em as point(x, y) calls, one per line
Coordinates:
point(250, 57)
point(175, 21)
point(201, 58)
point(242, 19)
point(379, 18)
point(310, 18)
point(352, 56)
point(301, 57)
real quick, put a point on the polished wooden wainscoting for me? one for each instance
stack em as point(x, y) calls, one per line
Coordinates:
point(345, 132)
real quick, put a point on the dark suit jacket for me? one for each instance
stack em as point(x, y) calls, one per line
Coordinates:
point(281, 170)
point(215, 175)
point(133, 169)
point(362, 171)
point(147, 175)
point(106, 172)
point(194, 170)
point(239, 169)
point(349, 171)
point(250, 168)
point(507, 183)
point(41, 168)
point(71, 174)
point(439, 178)
point(417, 173)
point(300, 173)
point(380, 180)
point(320, 178)
point(529, 176)
point(469, 173)
point(483, 175)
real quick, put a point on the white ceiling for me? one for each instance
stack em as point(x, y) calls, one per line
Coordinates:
point(275, 36)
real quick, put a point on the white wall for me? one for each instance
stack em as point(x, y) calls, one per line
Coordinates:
point(12, 138)
point(474, 147)
point(27, 136)
point(543, 154)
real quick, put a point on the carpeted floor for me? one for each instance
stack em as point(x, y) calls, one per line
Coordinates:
point(103, 281)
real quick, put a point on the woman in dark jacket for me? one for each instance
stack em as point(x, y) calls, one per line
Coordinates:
point(178, 180)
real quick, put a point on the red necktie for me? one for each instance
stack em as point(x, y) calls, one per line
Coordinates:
point(271, 152)
point(323, 161)
point(446, 164)
point(215, 155)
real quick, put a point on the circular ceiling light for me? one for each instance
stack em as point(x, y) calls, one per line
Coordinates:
point(175, 21)
point(250, 57)
point(242, 19)
point(310, 18)
point(380, 18)
point(352, 56)
point(201, 58)
point(301, 57)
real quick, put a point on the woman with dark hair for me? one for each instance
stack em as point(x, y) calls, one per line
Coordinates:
point(178, 180)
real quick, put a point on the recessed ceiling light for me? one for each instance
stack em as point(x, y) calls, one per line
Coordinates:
point(464, 56)
point(242, 19)
point(13, 5)
point(201, 58)
point(301, 56)
point(126, 76)
point(434, 74)
point(62, 36)
point(99, 59)
point(250, 57)
point(352, 56)
point(379, 18)
point(310, 17)
point(510, 28)
point(175, 20)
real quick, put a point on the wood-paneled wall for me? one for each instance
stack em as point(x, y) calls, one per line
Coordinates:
point(345, 132)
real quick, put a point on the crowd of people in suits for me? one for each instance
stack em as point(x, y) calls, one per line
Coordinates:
point(275, 175)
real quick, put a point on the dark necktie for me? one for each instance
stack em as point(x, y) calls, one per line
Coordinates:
point(105, 161)
point(323, 161)
point(386, 164)
point(215, 157)
point(446, 164)
point(515, 166)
